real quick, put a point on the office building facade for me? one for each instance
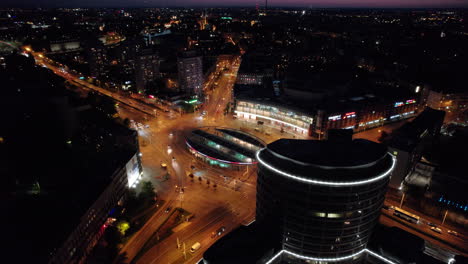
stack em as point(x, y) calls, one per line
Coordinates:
point(190, 72)
point(323, 198)
point(146, 68)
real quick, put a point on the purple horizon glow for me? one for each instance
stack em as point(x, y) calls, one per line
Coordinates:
point(330, 3)
point(246, 3)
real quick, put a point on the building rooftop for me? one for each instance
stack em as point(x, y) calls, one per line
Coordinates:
point(409, 135)
point(328, 153)
point(327, 161)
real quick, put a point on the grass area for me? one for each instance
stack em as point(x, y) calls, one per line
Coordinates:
point(176, 217)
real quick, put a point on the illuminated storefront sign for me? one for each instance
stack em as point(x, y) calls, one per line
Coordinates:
point(412, 101)
point(398, 104)
point(334, 118)
point(349, 115)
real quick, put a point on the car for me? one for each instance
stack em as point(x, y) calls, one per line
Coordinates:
point(436, 229)
point(453, 233)
point(163, 165)
point(195, 247)
point(168, 210)
point(220, 230)
point(431, 224)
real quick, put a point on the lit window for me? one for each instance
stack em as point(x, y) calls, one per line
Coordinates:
point(319, 214)
point(334, 215)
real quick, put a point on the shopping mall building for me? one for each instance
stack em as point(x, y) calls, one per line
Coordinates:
point(357, 113)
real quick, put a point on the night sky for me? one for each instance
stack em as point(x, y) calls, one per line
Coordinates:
point(252, 3)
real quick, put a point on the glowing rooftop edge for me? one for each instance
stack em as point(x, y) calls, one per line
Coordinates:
point(220, 160)
point(327, 183)
point(329, 259)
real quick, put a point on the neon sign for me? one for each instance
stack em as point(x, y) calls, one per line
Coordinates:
point(398, 104)
point(412, 101)
point(349, 115)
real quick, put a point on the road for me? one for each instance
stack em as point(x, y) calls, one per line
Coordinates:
point(163, 140)
point(423, 229)
point(60, 70)
point(230, 204)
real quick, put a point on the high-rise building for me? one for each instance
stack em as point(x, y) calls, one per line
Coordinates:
point(190, 69)
point(322, 198)
point(146, 67)
point(97, 59)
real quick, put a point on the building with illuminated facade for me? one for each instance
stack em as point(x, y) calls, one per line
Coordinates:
point(317, 202)
point(358, 115)
point(96, 54)
point(273, 115)
point(223, 147)
point(362, 113)
point(190, 72)
point(146, 68)
point(322, 197)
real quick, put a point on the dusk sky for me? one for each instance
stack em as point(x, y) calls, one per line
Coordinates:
point(252, 3)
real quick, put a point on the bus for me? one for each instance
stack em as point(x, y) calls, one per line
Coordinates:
point(406, 215)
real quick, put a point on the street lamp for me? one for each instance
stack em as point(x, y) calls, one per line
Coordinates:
point(445, 216)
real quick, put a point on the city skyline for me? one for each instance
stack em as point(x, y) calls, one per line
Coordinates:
point(225, 135)
point(244, 3)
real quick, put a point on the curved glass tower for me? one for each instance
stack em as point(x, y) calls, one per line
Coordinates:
point(322, 197)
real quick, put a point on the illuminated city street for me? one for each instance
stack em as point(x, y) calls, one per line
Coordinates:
point(226, 205)
point(267, 132)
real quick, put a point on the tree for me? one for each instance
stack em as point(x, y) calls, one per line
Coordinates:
point(191, 176)
point(107, 105)
point(200, 179)
point(123, 226)
point(215, 185)
point(208, 182)
point(147, 190)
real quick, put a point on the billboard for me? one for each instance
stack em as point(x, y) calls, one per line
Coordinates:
point(133, 171)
